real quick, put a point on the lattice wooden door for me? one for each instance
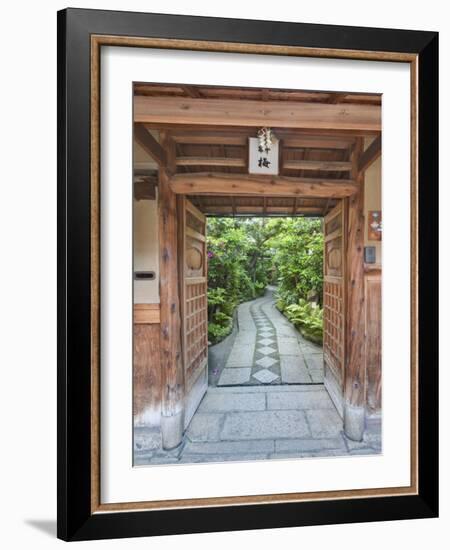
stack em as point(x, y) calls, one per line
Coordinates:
point(194, 304)
point(334, 293)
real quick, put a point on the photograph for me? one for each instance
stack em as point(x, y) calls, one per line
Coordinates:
point(257, 283)
point(246, 312)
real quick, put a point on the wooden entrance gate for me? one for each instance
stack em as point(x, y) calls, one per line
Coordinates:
point(194, 303)
point(334, 327)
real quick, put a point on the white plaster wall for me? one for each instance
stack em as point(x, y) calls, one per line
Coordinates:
point(146, 254)
point(372, 201)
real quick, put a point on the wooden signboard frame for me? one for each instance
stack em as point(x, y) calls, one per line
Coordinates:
point(81, 35)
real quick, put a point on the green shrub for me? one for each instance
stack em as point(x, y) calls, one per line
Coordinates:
point(307, 318)
point(246, 254)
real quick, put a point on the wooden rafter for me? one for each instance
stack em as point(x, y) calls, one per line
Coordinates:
point(211, 161)
point(145, 188)
point(244, 184)
point(149, 144)
point(221, 210)
point(324, 165)
point(370, 155)
point(317, 142)
point(210, 138)
point(255, 113)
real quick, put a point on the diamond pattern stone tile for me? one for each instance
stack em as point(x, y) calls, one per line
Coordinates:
point(265, 376)
point(266, 362)
point(266, 350)
point(266, 341)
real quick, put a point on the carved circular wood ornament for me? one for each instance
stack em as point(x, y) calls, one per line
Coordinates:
point(194, 258)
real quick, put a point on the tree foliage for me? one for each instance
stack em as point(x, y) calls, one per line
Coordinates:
point(245, 255)
point(238, 268)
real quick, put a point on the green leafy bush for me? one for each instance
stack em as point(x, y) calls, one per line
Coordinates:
point(245, 255)
point(308, 318)
point(238, 267)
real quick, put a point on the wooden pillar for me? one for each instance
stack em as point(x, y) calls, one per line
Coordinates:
point(354, 381)
point(172, 406)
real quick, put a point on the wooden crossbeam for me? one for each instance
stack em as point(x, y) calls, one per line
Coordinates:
point(175, 110)
point(259, 210)
point(210, 161)
point(370, 155)
point(145, 188)
point(244, 184)
point(325, 165)
point(317, 142)
point(325, 209)
point(149, 144)
point(210, 138)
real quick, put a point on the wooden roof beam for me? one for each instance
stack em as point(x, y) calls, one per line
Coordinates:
point(324, 165)
point(256, 113)
point(244, 184)
point(149, 144)
point(210, 138)
point(258, 210)
point(370, 155)
point(317, 142)
point(211, 161)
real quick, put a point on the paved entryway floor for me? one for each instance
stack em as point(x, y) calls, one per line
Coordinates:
point(269, 402)
point(258, 422)
point(268, 349)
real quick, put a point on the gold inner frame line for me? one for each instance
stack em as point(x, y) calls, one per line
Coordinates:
point(97, 41)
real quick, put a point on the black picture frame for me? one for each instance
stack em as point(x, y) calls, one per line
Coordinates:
point(75, 520)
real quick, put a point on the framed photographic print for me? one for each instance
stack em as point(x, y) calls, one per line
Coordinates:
point(238, 348)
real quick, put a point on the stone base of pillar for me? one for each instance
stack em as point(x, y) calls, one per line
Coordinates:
point(354, 422)
point(172, 430)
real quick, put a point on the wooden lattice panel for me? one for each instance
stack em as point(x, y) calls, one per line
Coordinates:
point(334, 292)
point(334, 328)
point(194, 305)
point(196, 330)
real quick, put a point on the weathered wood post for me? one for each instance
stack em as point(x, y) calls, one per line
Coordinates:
point(172, 406)
point(354, 380)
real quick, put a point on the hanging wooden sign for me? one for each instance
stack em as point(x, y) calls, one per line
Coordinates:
point(262, 160)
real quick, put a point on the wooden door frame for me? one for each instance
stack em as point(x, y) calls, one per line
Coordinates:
point(354, 409)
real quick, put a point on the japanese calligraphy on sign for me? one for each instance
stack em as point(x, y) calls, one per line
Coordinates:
point(263, 156)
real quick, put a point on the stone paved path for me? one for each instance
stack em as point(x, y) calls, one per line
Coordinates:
point(255, 423)
point(269, 350)
point(270, 402)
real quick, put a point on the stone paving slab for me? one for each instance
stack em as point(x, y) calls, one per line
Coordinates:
point(300, 400)
point(294, 371)
point(228, 402)
point(234, 376)
point(324, 422)
point(230, 447)
point(240, 356)
point(316, 375)
point(309, 445)
point(205, 427)
point(240, 457)
point(325, 453)
point(146, 439)
point(264, 389)
point(265, 425)
point(314, 361)
point(300, 428)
